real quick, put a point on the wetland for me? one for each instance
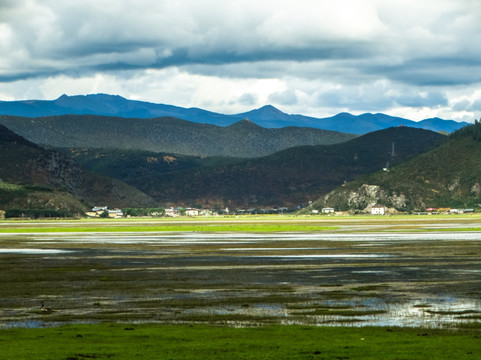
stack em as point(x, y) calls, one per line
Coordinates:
point(417, 272)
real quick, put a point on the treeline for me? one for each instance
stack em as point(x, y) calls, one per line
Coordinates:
point(473, 131)
point(144, 211)
point(37, 213)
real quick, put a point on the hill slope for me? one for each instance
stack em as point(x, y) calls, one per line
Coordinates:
point(63, 183)
point(287, 178)
point(447, 176)
point(242, 139)
point(267, 116)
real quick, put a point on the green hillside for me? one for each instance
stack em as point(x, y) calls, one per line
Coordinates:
point(170, 135)
point(133, 165)
point(287, 178)
point(447, 176)
point(35, 178)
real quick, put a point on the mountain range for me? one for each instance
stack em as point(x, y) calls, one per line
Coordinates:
point(267, 116)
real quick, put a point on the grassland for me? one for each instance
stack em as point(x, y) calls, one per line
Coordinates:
point(127, 341)
point(249, 224)
point(211, 227)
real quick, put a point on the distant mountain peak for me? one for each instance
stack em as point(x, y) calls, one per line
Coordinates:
point(99, 96)
point(270, 109)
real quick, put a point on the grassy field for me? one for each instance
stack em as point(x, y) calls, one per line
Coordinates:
point(262, 223)
point(213, 227)
point(127, 341)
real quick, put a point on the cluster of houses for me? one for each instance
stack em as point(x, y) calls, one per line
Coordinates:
point(375, 210)
point(104, 211)
point(382, 210)
point(175, 212)
point(446, 211)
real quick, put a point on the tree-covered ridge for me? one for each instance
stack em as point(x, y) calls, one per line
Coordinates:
point(447, 176)
point(166, 134)
point(288, 178)
point(32, 177)
point(473, 131)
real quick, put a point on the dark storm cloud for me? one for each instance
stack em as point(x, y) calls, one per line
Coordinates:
point(432, 71)
point(53, 36)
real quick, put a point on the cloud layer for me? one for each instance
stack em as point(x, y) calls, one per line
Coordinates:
point(407, 58)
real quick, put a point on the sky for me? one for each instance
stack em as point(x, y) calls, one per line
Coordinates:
point(409, 58)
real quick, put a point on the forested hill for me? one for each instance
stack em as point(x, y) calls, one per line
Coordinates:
point(170, 135)
point(447, 176)
point(287, 178)
point(54, 180)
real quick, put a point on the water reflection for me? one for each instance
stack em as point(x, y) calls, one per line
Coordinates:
point(388, 279)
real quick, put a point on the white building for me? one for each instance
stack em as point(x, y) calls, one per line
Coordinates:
point(99, 210)
point(116, 214)
point(377, 209)
point(192, 212)
point(171, 212)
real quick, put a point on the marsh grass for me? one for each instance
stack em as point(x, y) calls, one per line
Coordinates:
point(346, 312)
point(174, 228)
point(373, 287)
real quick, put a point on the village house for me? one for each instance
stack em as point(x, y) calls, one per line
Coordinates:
point(378, 210)
point(98, 211)
point(328, 210)
point(115, 214)
point(192, 212)
point(445, 210)
point(171, 212)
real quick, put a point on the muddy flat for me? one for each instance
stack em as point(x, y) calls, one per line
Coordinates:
point(407, 271)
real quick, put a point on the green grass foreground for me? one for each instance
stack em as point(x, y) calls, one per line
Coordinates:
point(174, 228)
point(126, 341)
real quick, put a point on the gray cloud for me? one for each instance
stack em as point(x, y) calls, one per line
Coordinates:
point(475, 106)
point(345, 54)
point(431, 99)
point(287, 97)
point(247, 99)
